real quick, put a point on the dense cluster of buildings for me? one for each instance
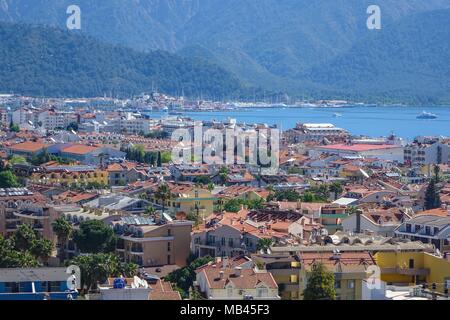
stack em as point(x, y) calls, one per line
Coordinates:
point(351, 204)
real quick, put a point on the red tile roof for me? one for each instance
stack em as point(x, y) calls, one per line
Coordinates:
point(359, 147)
point(28, 146)
point(79, 149)
point(248, 279)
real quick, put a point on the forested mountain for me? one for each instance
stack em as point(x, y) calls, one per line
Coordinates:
point(280, 44)
point(46, 61)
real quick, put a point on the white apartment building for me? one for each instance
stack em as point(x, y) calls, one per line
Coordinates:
point(428, 151)
point(51, 119)
point(315, 132)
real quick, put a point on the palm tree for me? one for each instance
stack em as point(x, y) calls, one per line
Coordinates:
point(163, 193)
point(63, 230)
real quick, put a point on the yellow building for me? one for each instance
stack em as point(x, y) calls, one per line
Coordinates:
point(291, 272)
point(148, 243)
point(285, 269)
point(68, 175)
point(187, 198)
point(350, 270)
point(410, 268)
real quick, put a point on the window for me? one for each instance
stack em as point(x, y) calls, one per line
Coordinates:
point(168, 246)
point(408, 227)
point(222, 241)
point(351, 284)
point(11, 287)
point(230, 242)
point(411, 263)
point(427, 230)
point(262, 292)
point(169, 232)
point(337, 284)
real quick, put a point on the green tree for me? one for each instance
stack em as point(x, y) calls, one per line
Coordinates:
point(8, 180)
point(281, 195)
point(223, 174)
point(73, 126)
point(97, 268)
point(166, 157)
point(24, 237)
point(94, 236)
point(24, 249)
point(437, 171)
point(150, 210)
point(320, 285)
point(162, 194)
point(264, 244)
point(184, 278)
point(232, 205)
point(41, 249)
point(204, 180)
point(14, 127)
point(336, 188)
point(159, 160)
point(17, 160)
point(432, 198)
point(63, 230)
point(12, 258)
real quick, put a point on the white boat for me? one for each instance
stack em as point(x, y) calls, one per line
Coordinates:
point(427, 115)
point(337, 115)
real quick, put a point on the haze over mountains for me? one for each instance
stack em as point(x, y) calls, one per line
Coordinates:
point(317, 48)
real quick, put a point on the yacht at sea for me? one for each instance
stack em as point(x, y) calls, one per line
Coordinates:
point(427, 115)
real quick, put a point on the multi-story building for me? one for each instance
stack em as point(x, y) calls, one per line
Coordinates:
point(130, 124)
point(426, 151)
point(4, 118)
point(427, 228)
point(379, 221)
point(20, 206)
point(414, 267)
point(153, 242)
point(90, 155)
point(285, 268)
point(66, 175)
point(186, 197)
point(27, 149)
point(36, 284)
point(315, 132)
point(227, 283)
point(52, 119)
point(390, 152)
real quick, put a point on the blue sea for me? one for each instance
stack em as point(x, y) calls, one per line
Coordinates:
point(374, 121)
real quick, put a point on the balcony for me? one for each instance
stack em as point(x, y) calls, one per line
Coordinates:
point(137, 250)
point(289, 287)
point(12, 226)
point(406, 271)
point(38, 226)
point(284, 272)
